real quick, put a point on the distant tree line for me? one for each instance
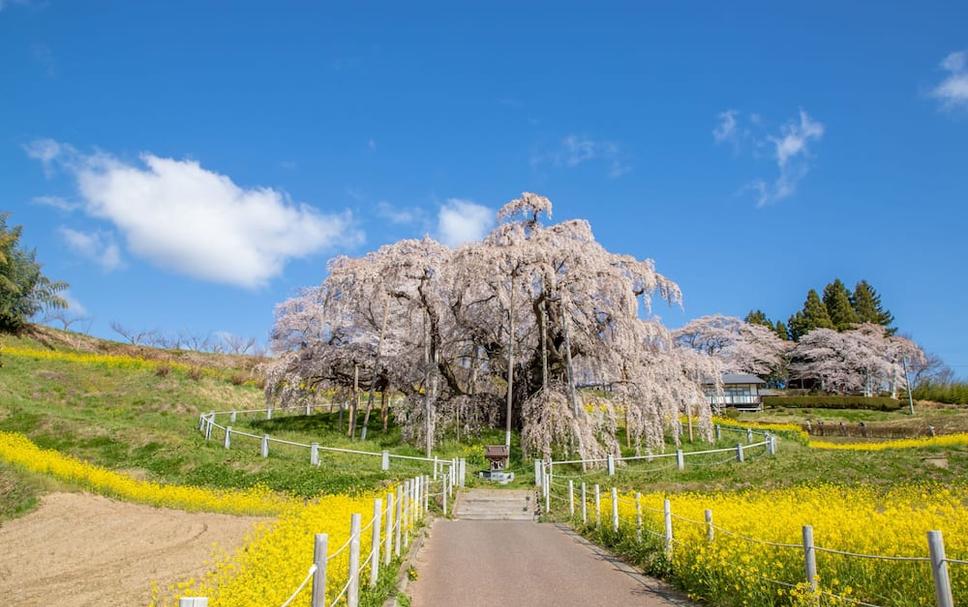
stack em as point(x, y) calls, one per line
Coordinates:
point(839, 309)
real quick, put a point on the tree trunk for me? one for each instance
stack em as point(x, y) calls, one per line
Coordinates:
point(384, 410)
point(356, 386)
point(544, 345)
point(376, 370)
point(507, 432)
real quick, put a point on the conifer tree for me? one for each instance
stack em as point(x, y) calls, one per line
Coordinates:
point(781, 330)
point(814, 315)
point(867, 305)
point(836, 298)
point(757, 317)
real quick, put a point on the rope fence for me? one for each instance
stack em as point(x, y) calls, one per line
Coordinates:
point(578, 503)
point(207, 425)
point(393, 522)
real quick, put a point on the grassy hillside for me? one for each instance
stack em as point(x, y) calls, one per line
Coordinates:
point(135, 409)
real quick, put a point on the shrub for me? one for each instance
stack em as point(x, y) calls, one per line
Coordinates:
point(163, 370)
point(873, 403)
point(955, 393)
point(237, 379)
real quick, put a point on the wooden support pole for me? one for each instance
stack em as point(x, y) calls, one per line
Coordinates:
point(399, 521)
point(739, 452)
point(228, 437)
point(571, 498)
point(710, 529)
point(265, 445)
point(638, 516)
point(314, 454)
point(939, 570)
point(584, 505)
point(598, 506)
point(680, 459)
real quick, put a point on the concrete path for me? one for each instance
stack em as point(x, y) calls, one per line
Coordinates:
point(471, 563)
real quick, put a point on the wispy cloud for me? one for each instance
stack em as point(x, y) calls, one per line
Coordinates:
point(953, 90)
point(56, 202)
point(575, 150)
point(193, 221)
point(98, 247)
point(400, 215)
point(790, 149)
point(460, 221)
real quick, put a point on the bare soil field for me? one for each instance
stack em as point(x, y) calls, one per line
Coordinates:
point(81, 549)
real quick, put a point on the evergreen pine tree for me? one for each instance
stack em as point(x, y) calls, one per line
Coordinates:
point(757, 317)
point(813, 316)
point(836, 298)
point(781, 331)
point(867, 305)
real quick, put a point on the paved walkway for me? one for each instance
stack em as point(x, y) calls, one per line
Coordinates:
point(470, 563)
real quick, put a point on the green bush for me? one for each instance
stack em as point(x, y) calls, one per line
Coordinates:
point(954, 393)
point(873, 403)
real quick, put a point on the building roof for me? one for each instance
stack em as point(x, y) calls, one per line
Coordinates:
point(736, 378)
point(741, 378)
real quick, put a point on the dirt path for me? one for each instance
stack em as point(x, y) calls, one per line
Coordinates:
point(470, 563)
point(81, 549)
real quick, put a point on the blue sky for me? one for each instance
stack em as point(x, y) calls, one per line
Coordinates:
point(187, 165)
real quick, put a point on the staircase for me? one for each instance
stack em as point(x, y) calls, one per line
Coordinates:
point(495, 505)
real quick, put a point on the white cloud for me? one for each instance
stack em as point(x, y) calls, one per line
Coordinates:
point(953, 90)
point(789, 148)
point(47, 151)
point(55, 201)
point(96, 246)
point(73, 305)
point(726, 129)
point(461, 221)
point(399, 215)
point(575, 150)
point(189, 220)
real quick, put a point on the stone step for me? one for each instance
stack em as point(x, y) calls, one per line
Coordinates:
point(497, 505)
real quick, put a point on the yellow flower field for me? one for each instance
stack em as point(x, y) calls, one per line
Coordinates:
point(18, 450)
point(276, 557)
point(947, 440)
point(739, 568)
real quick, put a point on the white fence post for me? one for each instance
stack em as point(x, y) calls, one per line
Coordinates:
point(443, 487)
point(314, 454)
point(353, 592)
point(435, 467)
point(680, 459)
point(710, 529)
point(667, 513)
point(232, 417)
point(399, 521)
point(375, 542)
point(739, 452)
point(584, 505)
point(719, 432)
point(598, 506)
point(571, 498)
point(265, 445)
point(547, 495)
point(269, 413)
point(426, 494)
point(772, 444)
point(320, 549)
point(309, 409)
point(388, 531)
point(538, 468)
point(385, 460)
point(228, 437)
point(611, 464)
point(809, 557)
point(193, 601)
point(939, 570)
point(614, 509)
point(638, 516)
point(406, 513)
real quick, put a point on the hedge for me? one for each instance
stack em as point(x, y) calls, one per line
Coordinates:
point(874, 403)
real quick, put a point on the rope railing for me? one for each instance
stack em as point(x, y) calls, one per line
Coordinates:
point(390, 527)
point(937, 559)
point(207, 423)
